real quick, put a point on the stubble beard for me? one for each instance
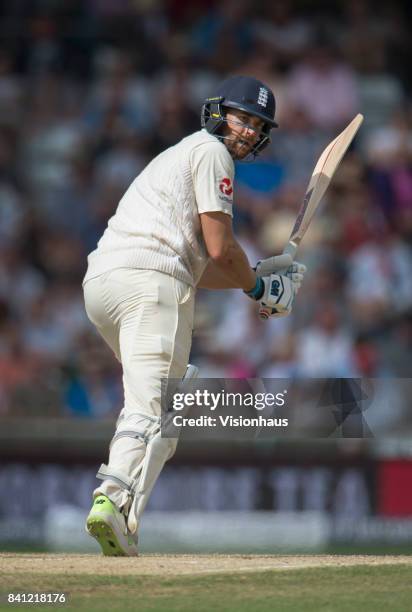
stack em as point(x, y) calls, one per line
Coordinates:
point(237, 147)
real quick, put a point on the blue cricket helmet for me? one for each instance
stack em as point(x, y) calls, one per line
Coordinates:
point(243, 93)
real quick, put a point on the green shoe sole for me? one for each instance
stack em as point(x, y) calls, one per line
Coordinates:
point(106, 537)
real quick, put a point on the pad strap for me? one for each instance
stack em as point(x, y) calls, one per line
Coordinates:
point(143, 432)
point(119, 477)
point(131, 433)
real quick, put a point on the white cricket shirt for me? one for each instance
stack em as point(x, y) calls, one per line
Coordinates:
point(156, 225)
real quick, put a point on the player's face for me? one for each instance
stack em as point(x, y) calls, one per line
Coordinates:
point(242, 132)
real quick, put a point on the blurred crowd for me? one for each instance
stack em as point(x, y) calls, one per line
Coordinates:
point(91, 90)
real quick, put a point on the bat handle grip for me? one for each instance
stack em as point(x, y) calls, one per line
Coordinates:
point(290, 249)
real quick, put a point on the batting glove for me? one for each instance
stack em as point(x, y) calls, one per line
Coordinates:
point(277, 291)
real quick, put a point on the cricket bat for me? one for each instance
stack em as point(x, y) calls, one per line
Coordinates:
point(321, 177)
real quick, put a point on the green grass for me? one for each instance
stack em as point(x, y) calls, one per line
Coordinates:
point(351, 589)
point(368, 549)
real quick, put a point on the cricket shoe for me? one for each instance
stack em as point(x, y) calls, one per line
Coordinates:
point(107, 525)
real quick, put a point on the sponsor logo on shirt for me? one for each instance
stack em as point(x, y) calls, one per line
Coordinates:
point(225, 186)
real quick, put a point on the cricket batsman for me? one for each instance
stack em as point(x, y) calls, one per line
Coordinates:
point(171, 233)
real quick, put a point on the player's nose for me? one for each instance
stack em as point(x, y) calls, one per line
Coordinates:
point(249, 132)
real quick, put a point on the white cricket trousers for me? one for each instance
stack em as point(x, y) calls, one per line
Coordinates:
point(146, 317)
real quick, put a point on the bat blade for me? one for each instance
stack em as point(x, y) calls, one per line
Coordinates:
point(322, 175)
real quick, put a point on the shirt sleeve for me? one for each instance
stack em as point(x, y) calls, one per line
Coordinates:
point(213, 173)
